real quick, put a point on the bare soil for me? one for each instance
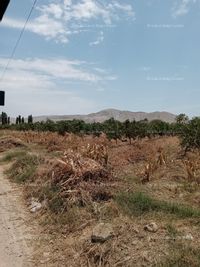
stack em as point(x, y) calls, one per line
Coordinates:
point(15, 234)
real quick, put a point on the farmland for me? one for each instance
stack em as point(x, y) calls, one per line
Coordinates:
point(87, 180)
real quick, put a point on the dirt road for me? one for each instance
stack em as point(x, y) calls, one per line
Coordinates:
point(15, 235)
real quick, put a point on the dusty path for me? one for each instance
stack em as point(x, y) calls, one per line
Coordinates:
point(15, 236)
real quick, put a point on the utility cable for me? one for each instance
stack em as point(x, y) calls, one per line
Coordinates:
point(18, 41)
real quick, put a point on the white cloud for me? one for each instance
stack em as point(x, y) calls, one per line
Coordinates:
point(42, 86)
point(99, 39)
point(43, 26)
point(55, 20)
point(55, 68)
point(182, 7)
point(89, 9)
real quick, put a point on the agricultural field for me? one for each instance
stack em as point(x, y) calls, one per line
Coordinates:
point(107, 203)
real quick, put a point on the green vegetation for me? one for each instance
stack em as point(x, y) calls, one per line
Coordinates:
point(172, 231)
point(13, 155)
point(112, 128)
point(51, 193)
point(23, 168)
point(188, 130)
point(190, 134)
point(4, 118)
point(139, 203)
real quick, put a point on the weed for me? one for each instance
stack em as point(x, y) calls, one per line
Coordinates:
point(172, 231)
point(13, 155)
point(23, 168)
point(71, 219)
point(56, 204)
point(190, 187)
point(139, 203)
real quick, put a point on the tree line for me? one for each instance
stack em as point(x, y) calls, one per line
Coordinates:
point(187, 130)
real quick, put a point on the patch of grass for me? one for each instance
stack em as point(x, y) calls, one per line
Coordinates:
point(23, 168)
point(139, 203)
point(13, 155)
point(66, 222)
point(181, 256)
point(131, 179)
point(172, 231)
point(55, 153)
point(51, 194)
point(190, 187)
point(56, 204)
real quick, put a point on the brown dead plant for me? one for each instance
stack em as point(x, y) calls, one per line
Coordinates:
point(98, 152)
point(192, 168)
point(153, 164)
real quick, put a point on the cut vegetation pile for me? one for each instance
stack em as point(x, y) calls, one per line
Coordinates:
point(80, 179)
point(61, 183)
point(9, 142)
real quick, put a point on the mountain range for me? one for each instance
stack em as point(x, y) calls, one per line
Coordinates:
point(119, 115)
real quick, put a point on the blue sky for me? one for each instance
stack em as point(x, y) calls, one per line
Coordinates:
point(81, 56)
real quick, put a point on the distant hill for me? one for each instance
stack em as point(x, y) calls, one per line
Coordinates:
point(106, 114)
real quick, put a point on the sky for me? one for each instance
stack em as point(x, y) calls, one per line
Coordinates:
point(82, 56)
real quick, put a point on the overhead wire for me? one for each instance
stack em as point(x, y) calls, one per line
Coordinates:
point(18, 41)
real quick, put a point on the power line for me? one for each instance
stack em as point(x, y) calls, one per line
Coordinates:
point(18, 41)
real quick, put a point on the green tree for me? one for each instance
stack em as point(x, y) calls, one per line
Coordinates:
point(128, 130)
point(182, 119)
point(17, 120)
point(20, 119)
point(112, 129)
point(158, 127)
point(30, 119)
point(4, 118)
point(190, 134)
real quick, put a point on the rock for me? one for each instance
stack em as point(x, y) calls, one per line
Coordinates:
point(188, 237)
point(134, 242)
point(102, 232)
point(35, 206)
point(46, 254)
point(151, 227)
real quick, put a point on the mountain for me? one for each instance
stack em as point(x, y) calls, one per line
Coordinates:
point(112, 113)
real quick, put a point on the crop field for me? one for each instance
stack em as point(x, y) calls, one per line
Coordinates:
point(147, 192)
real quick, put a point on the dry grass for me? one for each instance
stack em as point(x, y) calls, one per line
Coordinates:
point(77, 179)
